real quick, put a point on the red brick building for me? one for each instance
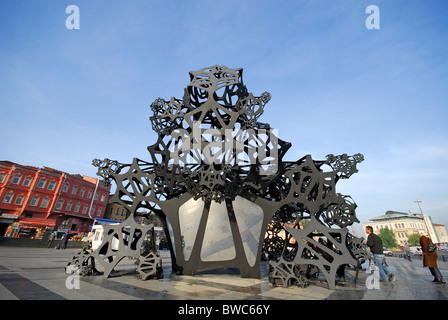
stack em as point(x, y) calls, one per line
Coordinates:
point(37, 201)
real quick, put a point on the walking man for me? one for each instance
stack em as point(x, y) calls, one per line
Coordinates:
point(376, 247)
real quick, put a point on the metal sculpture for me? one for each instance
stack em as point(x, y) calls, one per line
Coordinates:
point(218, 182)
point(83, 262)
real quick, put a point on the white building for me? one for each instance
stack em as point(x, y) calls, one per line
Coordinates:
point(405, 224)
point(441, 232)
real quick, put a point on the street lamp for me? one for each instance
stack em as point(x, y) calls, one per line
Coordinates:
point(429, 225)
point(418, 202)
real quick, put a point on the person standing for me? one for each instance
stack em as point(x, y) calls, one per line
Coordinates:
point(51, 238)
point(407, 249)
point(430, 259)
point(376, 247)
point(65, 240)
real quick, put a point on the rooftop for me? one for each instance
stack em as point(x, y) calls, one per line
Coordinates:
point(397, 215)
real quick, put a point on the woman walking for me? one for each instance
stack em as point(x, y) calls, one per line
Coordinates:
point(430, 260)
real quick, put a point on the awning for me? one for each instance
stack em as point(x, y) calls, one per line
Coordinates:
point(38, 222)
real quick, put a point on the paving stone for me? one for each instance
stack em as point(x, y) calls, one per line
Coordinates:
point(39, 273)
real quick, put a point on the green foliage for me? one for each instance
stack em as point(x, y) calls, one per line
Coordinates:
point(388, 238)
point(414, 239)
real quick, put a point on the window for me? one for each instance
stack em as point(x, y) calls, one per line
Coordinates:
point(89, 194)
point(34, 201)
point(51, 185)
point(8, 198)
point(69, 206)
point(59, 205)
point(96, 196)
point(19, 200)
point(44, 203)
point(92, 211)
point(27, 181)
point(98, 212)
point(102, 197)
point(75, 188)
point(65, 187)
point(84, 210)
point(41, 183)
point(2, 177)
point(81, 193)
point(16, 179)
point(77, 207)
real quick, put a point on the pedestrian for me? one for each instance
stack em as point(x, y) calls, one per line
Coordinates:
point(64, 243)
point(376, 248)
point(50, 239)
point(430, 259)
point(407, 249)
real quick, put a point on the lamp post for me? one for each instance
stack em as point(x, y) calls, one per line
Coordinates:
point(429, 225)
point(418, 202)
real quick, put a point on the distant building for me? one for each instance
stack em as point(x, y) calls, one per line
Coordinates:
point(35, 202)
point(115, 211)
point(405, 224)
point(441, 232)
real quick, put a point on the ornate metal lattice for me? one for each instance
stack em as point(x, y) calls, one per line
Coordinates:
point(83, 262)
point(217, 180)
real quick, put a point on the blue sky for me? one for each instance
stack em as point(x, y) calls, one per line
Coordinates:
point(68, 96)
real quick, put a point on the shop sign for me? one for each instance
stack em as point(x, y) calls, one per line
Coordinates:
point(26, 232)
point(9, 215)
point(62, 229)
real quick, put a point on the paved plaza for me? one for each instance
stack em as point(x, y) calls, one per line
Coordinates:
point(39, 274)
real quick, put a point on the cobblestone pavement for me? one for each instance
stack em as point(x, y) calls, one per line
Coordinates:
point(39, 274)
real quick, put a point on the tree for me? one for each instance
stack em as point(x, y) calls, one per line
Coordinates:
point(388, 237)
point(414, 239)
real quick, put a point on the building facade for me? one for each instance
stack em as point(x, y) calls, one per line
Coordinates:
point(115, 211)
point(406, 224)
point(35, 202)
point(442, 235)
